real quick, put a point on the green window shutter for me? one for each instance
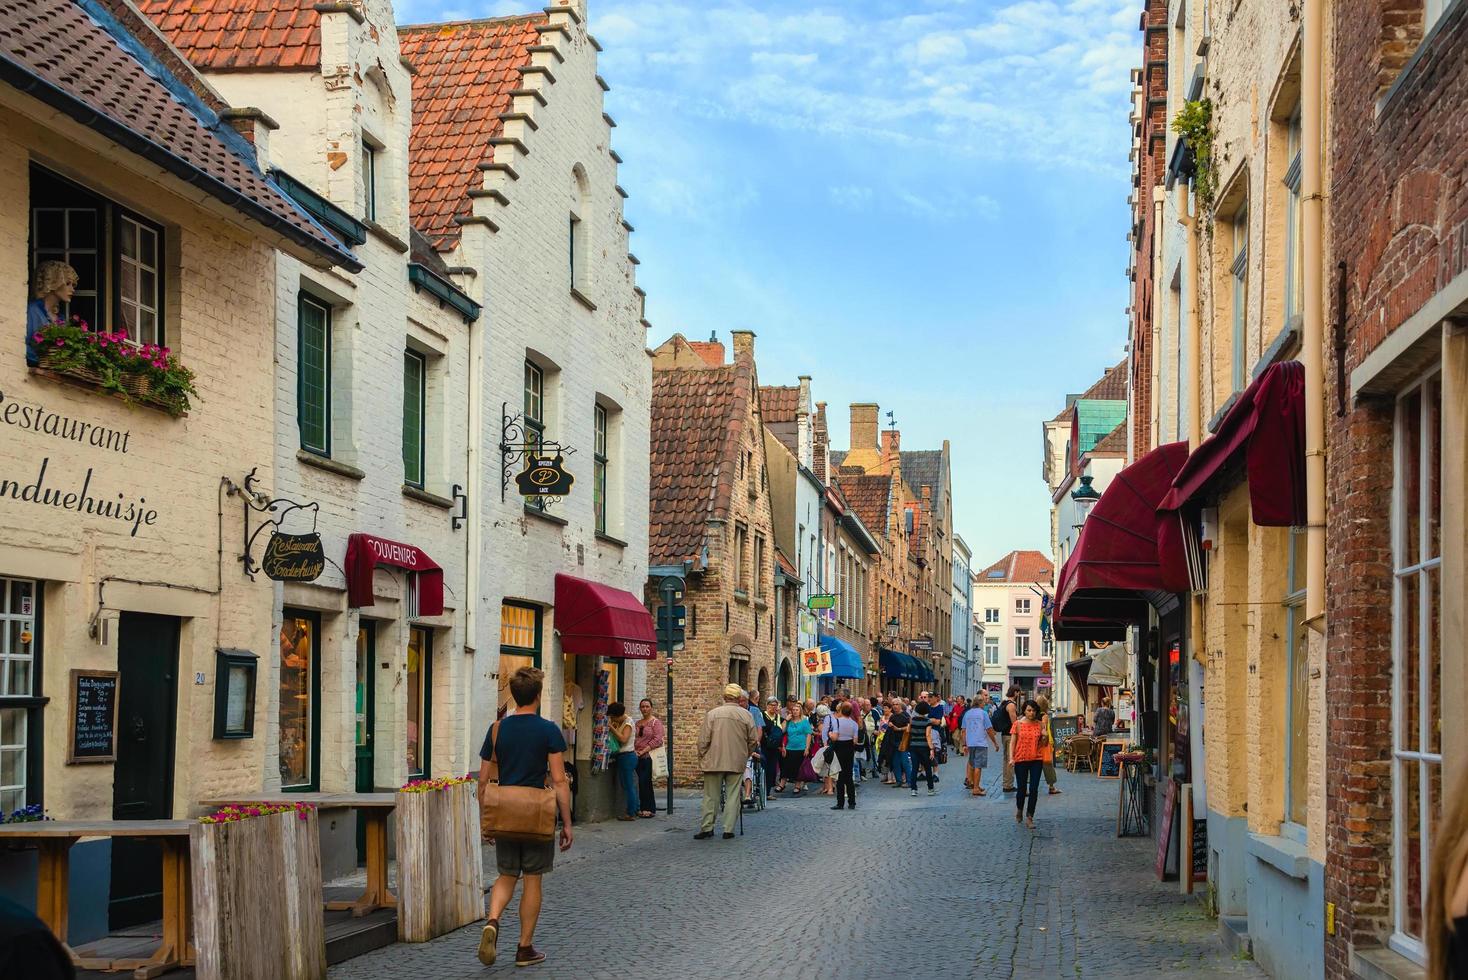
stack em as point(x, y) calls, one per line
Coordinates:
point(313, 373)
point(414, 384)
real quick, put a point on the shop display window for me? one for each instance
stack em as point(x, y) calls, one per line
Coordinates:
point(420, 697)
point(300, 681)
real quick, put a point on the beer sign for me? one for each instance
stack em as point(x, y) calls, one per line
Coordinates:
point(293, 557)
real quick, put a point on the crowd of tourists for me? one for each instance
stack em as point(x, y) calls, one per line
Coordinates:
point(831, 745)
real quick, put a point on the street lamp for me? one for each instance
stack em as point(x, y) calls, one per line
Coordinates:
point(1085, 497)
point(894, 626)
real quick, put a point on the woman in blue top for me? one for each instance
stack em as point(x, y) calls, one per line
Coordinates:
point(795, 749)
point(52, 285)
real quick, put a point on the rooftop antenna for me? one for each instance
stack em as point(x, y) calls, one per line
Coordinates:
point(713, 336)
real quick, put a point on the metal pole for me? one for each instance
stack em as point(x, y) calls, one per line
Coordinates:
point(669, 587)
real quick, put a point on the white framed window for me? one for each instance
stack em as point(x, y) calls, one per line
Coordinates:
point(991, 615)
point(991, 651)
point(1022, 607)
point(1022, 642)
point(140, 297)
point(1297, 690)
point(1416, 655)
point(1239, 273)
point(1294, 280)
point(19, 689)
point(415, 418)
point(599, 455)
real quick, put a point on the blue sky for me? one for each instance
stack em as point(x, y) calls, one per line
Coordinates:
point(916, 202)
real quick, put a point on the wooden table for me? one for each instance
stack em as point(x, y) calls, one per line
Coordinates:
point(54, 839)
point(374, 807)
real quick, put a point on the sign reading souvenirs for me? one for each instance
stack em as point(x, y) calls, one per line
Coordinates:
point(821, 602)
point(293, 557)
point(93, 736)
point(545, 476)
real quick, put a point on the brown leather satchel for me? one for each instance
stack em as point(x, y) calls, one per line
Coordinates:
point(515, 813)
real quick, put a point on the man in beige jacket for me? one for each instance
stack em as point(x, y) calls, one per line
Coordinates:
point(725, 740)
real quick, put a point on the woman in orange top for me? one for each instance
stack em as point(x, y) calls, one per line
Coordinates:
point(1028, 742)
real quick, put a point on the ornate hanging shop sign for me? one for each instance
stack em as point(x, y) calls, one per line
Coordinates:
point(545, 476)
point(293, 557)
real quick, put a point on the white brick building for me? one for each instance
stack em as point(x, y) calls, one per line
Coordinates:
point(516, 186)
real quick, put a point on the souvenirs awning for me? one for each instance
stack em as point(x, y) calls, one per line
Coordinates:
point(1266, 428)
point(845, 661)
point(596, 620)
point(365, 552)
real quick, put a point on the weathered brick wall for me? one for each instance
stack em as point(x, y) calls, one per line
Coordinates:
point(1148, 174)
point(219, 284)
point(1398, 218)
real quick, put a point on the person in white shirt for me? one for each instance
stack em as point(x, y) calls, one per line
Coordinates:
point(978, 735)
point(842, 729)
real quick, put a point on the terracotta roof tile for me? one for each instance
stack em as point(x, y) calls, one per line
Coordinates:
point(1019, 566)
point(698, 417)
point(241, 35)
point(778, 403)
point(88, 71)
point(871, 498)
point(1111, 387)
point(465, 73)
point(786, 565)
point(712, 351)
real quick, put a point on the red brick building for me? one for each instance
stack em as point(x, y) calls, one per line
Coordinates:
point(710, 514)
point(1149, 164)
point(1396, 403)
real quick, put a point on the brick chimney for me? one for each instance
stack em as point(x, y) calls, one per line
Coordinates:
point(892, 453)
point(255, 126)
point(863, 426)
point(821, 445)
point(743, 343)
point(804, 449)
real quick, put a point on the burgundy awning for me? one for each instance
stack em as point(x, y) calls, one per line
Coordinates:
point(597, 620)
point(1126, 547)
point(1081, 628)
point(365, 552)
point(1267, 427)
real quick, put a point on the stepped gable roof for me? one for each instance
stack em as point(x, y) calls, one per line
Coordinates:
point(464, 74)
point(698, 417)
point(871, 498)
point(1110, 387)
point(1019, 566)
point(241, 35)
point(779, 403)
point(1112, 444)
point(97, 65)
point(924, 468)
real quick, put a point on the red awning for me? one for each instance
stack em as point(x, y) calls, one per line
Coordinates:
point(597, 620)
point(1267, 426)
point(1126, 547)
point(365, 552)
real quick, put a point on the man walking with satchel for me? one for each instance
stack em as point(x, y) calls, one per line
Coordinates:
point(520, 751)
point(725, 741)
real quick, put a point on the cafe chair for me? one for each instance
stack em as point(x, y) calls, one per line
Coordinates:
point(1079, 752)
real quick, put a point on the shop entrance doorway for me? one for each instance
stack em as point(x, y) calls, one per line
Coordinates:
point(785, 683)
point(142, 777)
point(366, 726)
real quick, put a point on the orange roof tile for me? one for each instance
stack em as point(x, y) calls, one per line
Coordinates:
point(712, 351)
point(779, 403)
point(241, 35)
point(1019, 566)
point(465, 73)
point(871, 498)
point(1113, 444)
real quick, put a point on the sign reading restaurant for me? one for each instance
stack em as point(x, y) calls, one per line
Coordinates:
point(293, 557)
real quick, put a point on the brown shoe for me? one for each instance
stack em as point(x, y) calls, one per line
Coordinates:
point(528, 956)
point(487, 940)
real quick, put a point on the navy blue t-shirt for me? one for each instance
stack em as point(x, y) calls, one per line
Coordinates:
point(525, 742)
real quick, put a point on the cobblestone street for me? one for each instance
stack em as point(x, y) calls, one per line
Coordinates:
point(951, 881)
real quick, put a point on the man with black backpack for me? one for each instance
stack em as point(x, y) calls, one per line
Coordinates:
point(1003, 718)
point(772, 737)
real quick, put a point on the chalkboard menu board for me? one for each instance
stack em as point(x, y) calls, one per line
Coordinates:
point(93, 716)
point(1064, 726)
point(1110, 765)
point(1200, 848)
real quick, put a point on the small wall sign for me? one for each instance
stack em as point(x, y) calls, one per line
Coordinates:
point(93, 735)
point(546, 476)
point(234, 693)
point(293, 557)
point(822, 601)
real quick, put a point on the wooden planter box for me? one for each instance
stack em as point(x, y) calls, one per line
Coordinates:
point(440, 867)
point(257, 899)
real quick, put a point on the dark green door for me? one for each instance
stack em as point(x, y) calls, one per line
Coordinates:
point(366, 724)
point(142, 777)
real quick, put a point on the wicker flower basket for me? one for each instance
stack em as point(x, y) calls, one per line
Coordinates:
point(51, 362)
point(137, 385)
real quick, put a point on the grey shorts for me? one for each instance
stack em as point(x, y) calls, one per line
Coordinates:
point(524, 857)
point(978, 756)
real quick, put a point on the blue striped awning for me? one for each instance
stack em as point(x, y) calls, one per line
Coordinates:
point(845, 661)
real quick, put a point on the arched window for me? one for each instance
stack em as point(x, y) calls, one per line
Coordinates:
point(577, 229)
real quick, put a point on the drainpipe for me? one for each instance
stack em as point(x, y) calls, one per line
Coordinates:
point(1158, 202)
point(1312, 112)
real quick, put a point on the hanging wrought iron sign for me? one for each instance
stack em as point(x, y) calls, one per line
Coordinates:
point(289, 557)
point(545, 476)
point(293, 557)
point(542, 473)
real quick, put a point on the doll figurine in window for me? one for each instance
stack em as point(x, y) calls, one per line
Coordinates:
point(52, 285)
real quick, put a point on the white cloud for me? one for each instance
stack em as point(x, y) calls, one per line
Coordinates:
point(781, 59)
point(940, 48)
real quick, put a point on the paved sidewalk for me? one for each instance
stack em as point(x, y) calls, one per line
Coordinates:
point(949, 880)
